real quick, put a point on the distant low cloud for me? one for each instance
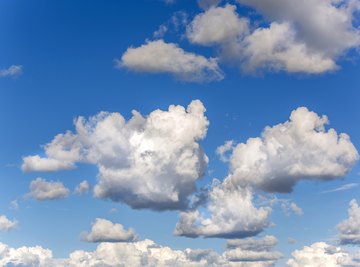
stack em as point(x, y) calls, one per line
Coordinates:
point(106, 231)
point(41, 189)
point(6, 224)
point(321, 254)
point(82, 188)
point(291, 207)
point(349, 229)
point(160, 57)
point(13, 70)
point(146, 162)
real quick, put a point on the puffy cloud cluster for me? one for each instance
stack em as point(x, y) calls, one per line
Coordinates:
point(251, 252)
point(350, 228)
point(6, 224)
point(13, 70)
point(41, 189)
point(106, 231)
point(25, 256)
point(161, 57)
point(232, 215)
point(321, 254)
point(300, 148)
point(146, 162)
point(306, 36)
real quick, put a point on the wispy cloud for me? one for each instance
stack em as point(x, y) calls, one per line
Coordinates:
point(341, 188)
point(12, 71)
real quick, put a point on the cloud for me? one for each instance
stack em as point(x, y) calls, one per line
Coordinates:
point(223, 149)
point(146, 162)
point(276, 48)
point(291, 207)
point(160, 57)
point(349, 229)
point(25, 256)
point(342, 188)
point(206, 4)
point(321, 254)
point(298, 149)
point(6, 224)
point(13, 70)
point(202, 31)
point(82, 188)
point(232, 215)
point(41, 189)
point(106, 231)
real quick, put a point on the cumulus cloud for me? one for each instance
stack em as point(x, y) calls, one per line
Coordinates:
point(41, 189)
point(106, 231)
point(82, 188)
point(300, 148)
point(228, 26)
point(349, 229)
point(291, 207)
point(232, 215)
point(12, 71)
point(146, 162)
point(160, 57)
point(25, 256)
point(321, 254)
point(6, 224)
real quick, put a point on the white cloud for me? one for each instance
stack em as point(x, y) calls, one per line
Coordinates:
point(82, 188)
point(25, 256)
point(321, 254)
point(14, 205)
point(206, 4)
point(350, 228)
point(12, 71)
point(6, 224)
point(106, 231)
point(342, 188)
point(160, 57)
point(146, 162)
point(276, 48)
point(223, 149)
point(232, 215)
point(41, 189)
point(291, 207)
point(217, 25)
point(36, 163)
point(253, 252)
point(297, 149)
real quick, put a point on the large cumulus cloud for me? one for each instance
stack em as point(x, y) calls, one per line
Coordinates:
point(146, 162)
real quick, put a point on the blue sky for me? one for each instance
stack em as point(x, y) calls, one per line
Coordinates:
point(249, 65)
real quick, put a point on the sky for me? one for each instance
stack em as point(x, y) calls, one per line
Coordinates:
point(179, 133)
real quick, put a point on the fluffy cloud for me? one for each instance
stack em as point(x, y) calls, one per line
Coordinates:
point(25, 256)
point(251, 252)
point(160, 57)
point(232, 215)
point(41, 189)
point(106, 231)
point(146, 162)
point(82, 188)
point(321, 254)
point(298, 149)
point(228, 26)
point(13, 70)
point(291, 207)
point(350, 228)
point(276, 48)
point(6, 224)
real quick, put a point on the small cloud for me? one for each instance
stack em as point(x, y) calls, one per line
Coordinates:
point(41, 189)
point(291, 207)
point(6, 224)
point(113, 210)
point(14, 205)
point(12, 71)
point(82, 188)
point(291, 240)
point(341, 188)
point(106, 231)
